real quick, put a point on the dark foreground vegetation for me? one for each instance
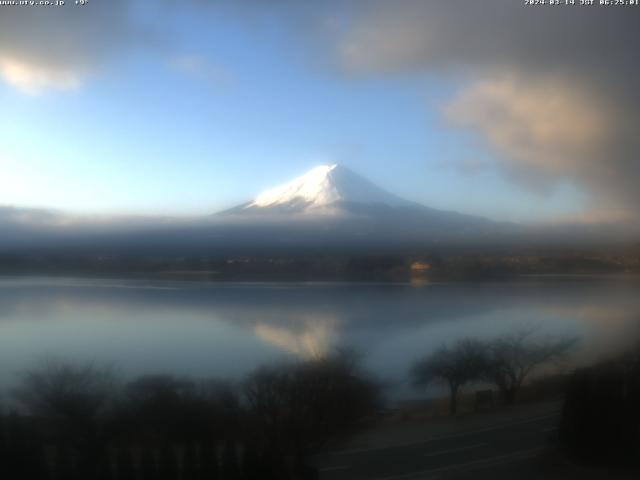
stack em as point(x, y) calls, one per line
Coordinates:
point(66, 421)
point(601, 416)
point(80, 423)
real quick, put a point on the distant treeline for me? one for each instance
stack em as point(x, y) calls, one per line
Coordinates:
point(366, 267)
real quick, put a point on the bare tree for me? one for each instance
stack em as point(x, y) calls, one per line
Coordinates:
point(68, 392)
point(72, 404)
point(297, 408)
point(457, 365)
point(162, 406)
point(510, 359)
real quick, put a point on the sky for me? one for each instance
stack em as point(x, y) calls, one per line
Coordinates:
point(492, 108)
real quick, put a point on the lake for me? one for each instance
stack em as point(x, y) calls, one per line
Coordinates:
point(225, 330)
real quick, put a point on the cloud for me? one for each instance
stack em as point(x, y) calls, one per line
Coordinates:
point(457, 34)
point(27, 216)
point(550, 91)
point(33, 79)
point(542, 129)
point(58, 47)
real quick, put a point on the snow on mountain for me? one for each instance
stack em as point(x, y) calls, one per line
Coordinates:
point(322, 190)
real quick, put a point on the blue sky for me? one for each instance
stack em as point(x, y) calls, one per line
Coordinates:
point(222, 107)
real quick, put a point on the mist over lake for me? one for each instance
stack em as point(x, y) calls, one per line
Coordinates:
point(226, 330)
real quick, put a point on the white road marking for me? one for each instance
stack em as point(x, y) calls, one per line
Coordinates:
point(454, 450)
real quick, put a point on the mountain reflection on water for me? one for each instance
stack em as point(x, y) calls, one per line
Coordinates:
point(227, 329)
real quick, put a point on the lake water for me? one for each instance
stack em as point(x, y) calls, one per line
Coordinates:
point(227, 329)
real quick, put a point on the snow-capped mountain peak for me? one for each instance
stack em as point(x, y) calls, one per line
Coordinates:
point(322, 188)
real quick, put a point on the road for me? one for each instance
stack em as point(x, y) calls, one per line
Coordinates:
point(508, 449)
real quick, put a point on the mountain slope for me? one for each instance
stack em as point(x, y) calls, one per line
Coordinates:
point(331, 205)
point(326, 189)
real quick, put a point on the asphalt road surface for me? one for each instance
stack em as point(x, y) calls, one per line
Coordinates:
point(505, 450)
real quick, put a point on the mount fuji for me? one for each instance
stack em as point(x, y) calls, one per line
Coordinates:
point(334, 191)
point(331, 205)
point(329, 208)
point(326, 189)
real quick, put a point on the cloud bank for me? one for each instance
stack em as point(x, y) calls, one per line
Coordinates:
point(551, 91)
